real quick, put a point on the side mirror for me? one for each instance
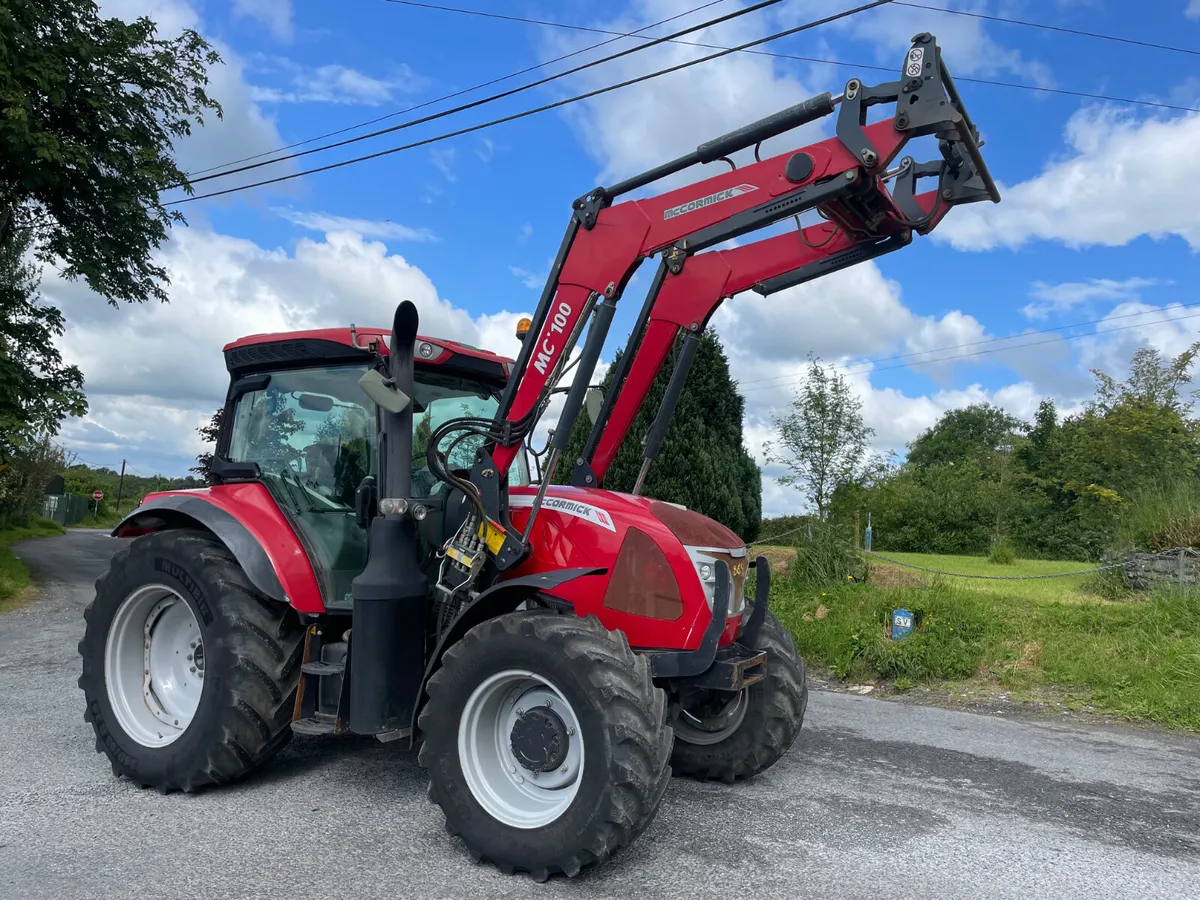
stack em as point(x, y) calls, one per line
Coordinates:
point(592, 401)
point(383, 394)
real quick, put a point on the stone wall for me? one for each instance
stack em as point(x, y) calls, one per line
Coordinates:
point(1179, 567)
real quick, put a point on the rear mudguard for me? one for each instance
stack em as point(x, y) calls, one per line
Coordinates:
point(496, 600)
point(247, 521)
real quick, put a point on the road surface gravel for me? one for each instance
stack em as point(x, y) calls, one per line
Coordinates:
point(877, 799)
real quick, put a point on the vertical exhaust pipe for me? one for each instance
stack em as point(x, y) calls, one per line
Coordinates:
point(387, 642)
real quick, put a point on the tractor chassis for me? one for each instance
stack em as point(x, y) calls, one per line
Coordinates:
point(323, 696)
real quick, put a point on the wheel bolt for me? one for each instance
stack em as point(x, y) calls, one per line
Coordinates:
point(520, 712)
point(571, 730)
point(192, 669)
point(563, 770)
point(535, 775)
point(549, 702)
point(189, 657)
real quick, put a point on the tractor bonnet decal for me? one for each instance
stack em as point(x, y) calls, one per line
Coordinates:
point(702, 202)
point(593, 514)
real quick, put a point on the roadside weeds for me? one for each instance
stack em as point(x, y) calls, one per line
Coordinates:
point(14, 577)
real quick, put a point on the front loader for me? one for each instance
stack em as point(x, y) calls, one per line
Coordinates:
point(373, 555)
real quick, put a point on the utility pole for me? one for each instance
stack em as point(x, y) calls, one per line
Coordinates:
point(120, 486)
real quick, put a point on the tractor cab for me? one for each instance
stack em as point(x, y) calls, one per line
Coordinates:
point(298, 422)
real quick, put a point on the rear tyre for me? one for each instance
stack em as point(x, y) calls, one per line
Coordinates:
point(547, 744)
point(189, 674)
point(728, 737)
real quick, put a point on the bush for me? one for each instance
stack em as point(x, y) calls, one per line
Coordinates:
point(1162, 517)
point(825, 555)
point(783, 526)
point(849, 628)
point(1002, 552)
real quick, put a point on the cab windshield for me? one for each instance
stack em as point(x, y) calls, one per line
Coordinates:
point(312, 432)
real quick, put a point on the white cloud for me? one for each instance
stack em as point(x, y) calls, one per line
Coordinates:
point(639, 127)
point(154, 372)
point(1193, 10)
point(274, 15)
point(486, 149)
point(1066, 295)
point(326, 223)
point(243, 130)
point(442, 159)
point(1123, 178)
point(525, 233)
point(531, 280)
point(332, 83)
point(966, 45)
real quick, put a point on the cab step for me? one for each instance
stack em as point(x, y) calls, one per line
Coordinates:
point(318, 723)
point(323, 667)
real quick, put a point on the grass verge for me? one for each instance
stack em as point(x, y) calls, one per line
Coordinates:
point(106, 520)
point(1136, 660)
point(14, 577)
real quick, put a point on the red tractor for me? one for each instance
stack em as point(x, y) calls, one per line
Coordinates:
point(374, 555)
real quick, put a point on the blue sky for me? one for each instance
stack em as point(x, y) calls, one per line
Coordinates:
point(1099, 219)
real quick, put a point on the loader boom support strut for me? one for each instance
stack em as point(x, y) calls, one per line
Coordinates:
point(844, 178)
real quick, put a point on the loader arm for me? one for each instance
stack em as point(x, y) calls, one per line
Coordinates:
point(689, 298)
point(844, 178)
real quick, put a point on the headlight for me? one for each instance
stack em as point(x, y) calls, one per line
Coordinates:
point(706, 572)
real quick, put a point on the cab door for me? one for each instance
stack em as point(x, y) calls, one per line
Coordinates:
point(314, 435)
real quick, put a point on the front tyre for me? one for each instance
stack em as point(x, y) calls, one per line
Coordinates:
point(189, 674)
point(728, 737)
point(546, 743)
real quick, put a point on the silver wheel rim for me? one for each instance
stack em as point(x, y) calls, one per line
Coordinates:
point(507, 790)
point(154, 665)
point(706, 732)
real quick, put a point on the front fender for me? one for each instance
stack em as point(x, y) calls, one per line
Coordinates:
point(247, 521)
point(498, 599)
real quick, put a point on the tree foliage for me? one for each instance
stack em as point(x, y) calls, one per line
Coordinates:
point(37, 390)
point(209, 432)
point(91, 108)
point(973, 432)
point(1058, 488)
point(822, 439)
point(703, 463)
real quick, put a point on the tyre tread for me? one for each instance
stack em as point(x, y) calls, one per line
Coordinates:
point(635, 711)
point(252, 722)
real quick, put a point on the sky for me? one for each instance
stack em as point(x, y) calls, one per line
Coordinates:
point(1088, 256)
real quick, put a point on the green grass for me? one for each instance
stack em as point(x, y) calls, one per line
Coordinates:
point(14, 577)
point(1057, 590)
point(1138, 660)
point(106, 520)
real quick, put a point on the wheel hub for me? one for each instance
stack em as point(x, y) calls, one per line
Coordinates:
point(521, 748)
point(539, 740)
point(154, 665)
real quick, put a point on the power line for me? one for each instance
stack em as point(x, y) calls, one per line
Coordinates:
point(1068, 337)
point(1042, 25)
point(1065, 92)
point(540, 109)
point(1011, 337)
point(762, 4)
point(470, 90)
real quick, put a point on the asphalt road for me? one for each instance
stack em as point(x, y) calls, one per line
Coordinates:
point(877, 799)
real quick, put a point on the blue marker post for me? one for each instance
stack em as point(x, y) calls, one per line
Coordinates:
point(902, 624)
point(868, 534)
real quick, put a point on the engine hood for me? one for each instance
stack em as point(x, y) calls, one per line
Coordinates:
point(635, 538)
